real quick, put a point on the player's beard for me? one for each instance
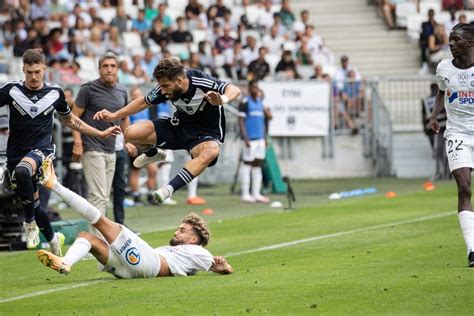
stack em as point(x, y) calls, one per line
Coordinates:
point(176, 95)
point(175, 242)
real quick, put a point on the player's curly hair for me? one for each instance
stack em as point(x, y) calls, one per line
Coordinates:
point(199, 227)
point(168, 69)
point(34, 56)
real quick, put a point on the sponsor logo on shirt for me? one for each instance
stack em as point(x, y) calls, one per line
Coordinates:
point(132, 256)
point(464, 97)
point(124, 246)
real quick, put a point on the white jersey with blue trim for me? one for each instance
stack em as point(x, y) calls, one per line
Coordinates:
point(458, 85)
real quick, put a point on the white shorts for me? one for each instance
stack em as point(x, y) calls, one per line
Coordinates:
point(255, 151)
point(131, 257)
point(460, 151)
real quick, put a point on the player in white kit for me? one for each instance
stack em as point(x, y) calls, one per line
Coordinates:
point(123, 253)
point(456, 94)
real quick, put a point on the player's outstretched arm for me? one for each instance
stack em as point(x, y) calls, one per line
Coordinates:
point(231, 93)
point(221, 266)
point(77, 124)
point(133, 107)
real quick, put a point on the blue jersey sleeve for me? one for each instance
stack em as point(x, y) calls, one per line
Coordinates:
point(154, 96)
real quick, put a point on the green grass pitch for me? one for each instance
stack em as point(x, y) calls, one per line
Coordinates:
point(364, 255)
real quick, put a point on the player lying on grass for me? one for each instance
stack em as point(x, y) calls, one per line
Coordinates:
point(123, 253)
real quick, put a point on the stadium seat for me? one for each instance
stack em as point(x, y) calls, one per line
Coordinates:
point(425, 6)
point(272, 60)
point(199, 35)
point(131, 40)
point(178, 49)
point(130, 9)
point(107, 14)
point(89, 68)
point(414, 25)
point(403, 11)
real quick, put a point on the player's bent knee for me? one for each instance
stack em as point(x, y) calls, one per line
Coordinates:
point(86, 235)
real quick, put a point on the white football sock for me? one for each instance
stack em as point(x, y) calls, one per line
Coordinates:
point(192, 188)
point(78, 203)
point(245, 179)
point(163, 175)
point(256, 181)
point(55, 240)
point(78, 250)
point(466, 221)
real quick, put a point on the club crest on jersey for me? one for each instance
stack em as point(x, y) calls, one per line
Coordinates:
point(463, 78)
point(132, 256)
point(33, 110)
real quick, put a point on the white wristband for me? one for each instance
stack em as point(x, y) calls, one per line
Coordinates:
point(224, 98)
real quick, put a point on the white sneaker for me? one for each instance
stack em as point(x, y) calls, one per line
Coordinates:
point(170, 202)
point(248, 199)
point(143, 160)
point(161, 195)
point(56, 247)
point(262, 199)
point(52, 261)
point(32, 234)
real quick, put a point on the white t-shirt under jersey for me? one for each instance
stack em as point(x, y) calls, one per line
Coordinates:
point(186, 259)
point(458, 85)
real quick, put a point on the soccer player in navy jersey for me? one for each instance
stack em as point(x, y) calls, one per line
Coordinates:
point(198, 125)
point(31, 104)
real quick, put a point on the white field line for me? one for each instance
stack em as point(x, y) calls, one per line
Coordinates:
point(271, 247)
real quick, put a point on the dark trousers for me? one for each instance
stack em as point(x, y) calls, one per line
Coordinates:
point(119, 184)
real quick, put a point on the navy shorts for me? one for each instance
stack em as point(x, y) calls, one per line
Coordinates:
point(184, 135)
point(38, 155)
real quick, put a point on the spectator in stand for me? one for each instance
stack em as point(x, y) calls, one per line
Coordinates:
point(353, 95)
point(120, 20)
point(266, 20)
point(181, 34)
point(317, 46)
point(286, 67)
point(427, 29)
point(234, 65)
point(95, 46)
point(438, 45)
point(194, 19)
point(75, 46)
point(195, 62)
point(387, 8)
point(456, 4)
point(273, 41)
point(226, 41)
point(286, 15)
point(318, 73)
point(214, 33)
point(303, 53)
point(149, 62)
point(163, 16)
point(141, 25)
point(39, 8)
point(250, 52)
point(32, 41)
point(193, 8)
point(114, 42)
point(77, 13)
point(150, 12)
point(57, 10)
point(56, 48)
point(124, 73)
point(259, 68)
point(139, 76)
point(69, 72)
point(219, 7)
point(158, 33)
point(81, 32)
point(342, 73)
point(299, 27)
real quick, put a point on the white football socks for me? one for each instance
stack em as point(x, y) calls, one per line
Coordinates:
point(78, 250)
point(245, 179)
point(163, 175)
point(78, 203)
point(192, 188)
point(256, 181)
point(466, 221)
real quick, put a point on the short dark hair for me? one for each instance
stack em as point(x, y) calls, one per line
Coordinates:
point(34, 56)
point(168, 69)
point(253, 82)
point(466, 28)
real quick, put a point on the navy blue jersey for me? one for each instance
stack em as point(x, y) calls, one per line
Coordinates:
point(192, 107)
point(31, 116)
